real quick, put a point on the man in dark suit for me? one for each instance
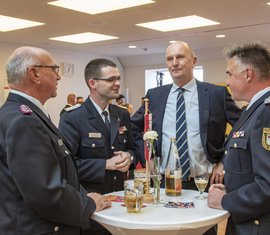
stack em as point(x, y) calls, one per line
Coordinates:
point(247, 159)
point(208, 108)
point(102, 142)
point(40, 190)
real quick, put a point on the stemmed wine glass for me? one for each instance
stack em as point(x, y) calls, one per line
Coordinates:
point(201, 179)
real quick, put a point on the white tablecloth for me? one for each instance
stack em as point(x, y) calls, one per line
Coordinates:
point(161, 220)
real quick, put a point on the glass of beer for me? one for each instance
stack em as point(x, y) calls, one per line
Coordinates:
point(201, 179)
point(133, 196)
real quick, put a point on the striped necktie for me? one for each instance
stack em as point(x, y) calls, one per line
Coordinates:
point(181, 134)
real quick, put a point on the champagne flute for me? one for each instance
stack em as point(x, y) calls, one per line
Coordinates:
point(201, 179)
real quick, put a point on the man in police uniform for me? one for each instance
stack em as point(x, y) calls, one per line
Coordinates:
point(246, 193)
point(71, 100)
point(102, 143)
point(39, 186)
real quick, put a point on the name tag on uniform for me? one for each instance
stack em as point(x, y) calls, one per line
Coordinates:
point(94, 135)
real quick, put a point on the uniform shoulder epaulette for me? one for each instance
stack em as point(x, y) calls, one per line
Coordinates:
point(267, 100)
point(120, 106)
point(24, 109)
point(73, 107)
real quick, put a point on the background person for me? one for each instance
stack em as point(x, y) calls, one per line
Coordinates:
point(103, 148)
point(71, 100)
point(120, 99)
point(80, 100)
point(40, 191)
point(247, 159)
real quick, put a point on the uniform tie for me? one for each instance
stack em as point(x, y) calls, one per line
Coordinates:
point(107, 122)
point(181, 134)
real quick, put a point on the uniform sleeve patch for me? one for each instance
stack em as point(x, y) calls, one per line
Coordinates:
point(266, 138)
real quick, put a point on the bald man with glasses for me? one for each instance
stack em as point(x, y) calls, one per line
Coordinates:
point(40, 190)
point(100, 133)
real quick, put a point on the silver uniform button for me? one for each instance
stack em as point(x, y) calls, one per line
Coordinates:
point(112, 147)
point(56, 228)
point(257, 222)
point(125, 140)
point(226, 152)
point(93, 145)
point(66, 152)
point(114, 178)
point(235, 145)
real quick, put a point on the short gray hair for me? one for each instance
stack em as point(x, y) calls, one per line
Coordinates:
point(254, 54)
point(19, 61)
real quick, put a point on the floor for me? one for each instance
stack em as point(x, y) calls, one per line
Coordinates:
point(222, 227)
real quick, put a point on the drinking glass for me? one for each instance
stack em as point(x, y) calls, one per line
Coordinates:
point(156, 178)
point(201, 179)
point(133, 196)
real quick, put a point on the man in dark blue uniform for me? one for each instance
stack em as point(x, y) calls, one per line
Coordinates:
point(39, 187)
point(100, 133)
point(246, 193)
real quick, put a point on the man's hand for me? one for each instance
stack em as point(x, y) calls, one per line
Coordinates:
point(125, 162)
point(215, 195)
point(120, 161)
point(100, 201)
point(217, 174)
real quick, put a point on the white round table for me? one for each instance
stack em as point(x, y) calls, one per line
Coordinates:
point(161, 220)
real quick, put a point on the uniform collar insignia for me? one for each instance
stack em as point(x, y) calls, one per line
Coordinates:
point(25, 109)
point(267, 100)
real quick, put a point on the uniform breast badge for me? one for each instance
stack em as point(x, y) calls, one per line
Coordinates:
point(266, 138)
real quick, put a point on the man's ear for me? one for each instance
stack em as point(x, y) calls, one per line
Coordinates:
point(92, 84)
point(249, 74)
point(33, 75)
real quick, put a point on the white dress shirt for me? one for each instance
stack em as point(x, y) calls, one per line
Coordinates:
point(195, 149)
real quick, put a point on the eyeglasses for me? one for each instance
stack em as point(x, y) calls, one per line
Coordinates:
point(55, 68)
point(110, 79)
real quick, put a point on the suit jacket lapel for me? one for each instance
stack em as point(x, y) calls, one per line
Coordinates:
point(160, 111)
point(203, 100)
point(115, 122)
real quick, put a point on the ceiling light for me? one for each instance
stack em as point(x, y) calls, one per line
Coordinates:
point(185, 22)
point(10, 23)
point(268, 3)
point(84, 38)
point(220, 36)
point(172, 41)
point(132, 46)
point(98, 6)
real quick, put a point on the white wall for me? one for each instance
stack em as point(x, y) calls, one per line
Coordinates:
point(66, 85)
point(133, 77)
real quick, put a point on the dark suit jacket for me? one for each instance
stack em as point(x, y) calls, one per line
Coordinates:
point(247, 166)
point(92, 144)
point(216, 108)
point(39, 187)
